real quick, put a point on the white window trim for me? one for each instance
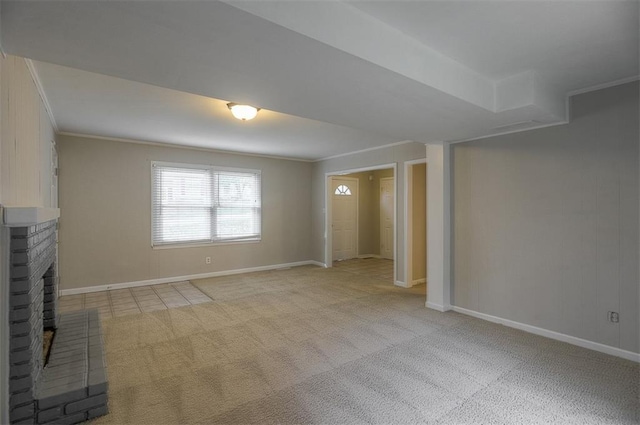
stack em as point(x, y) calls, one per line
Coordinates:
point(196, 244)
point(203, 244)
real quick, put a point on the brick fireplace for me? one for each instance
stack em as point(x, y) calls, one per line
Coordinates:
point(72, 386)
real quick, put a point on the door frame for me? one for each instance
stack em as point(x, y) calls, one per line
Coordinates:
point(394, 217)
point(54, 164)
point(328, 248)
point(357, 185)
point(408, 217)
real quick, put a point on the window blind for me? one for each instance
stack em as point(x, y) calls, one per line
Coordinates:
point(201, 204)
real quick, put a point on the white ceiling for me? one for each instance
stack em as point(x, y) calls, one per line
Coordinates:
point(502, 38)
point(89, 103)
point(333, 77)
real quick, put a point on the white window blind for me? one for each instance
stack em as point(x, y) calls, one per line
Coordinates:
point(202, 204)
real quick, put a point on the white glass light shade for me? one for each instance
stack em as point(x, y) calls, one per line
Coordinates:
point(243, 112)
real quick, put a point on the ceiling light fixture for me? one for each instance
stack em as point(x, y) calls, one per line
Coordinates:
point(243, 112)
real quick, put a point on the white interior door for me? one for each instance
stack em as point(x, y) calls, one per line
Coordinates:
point(386, 217)
point(344, 217)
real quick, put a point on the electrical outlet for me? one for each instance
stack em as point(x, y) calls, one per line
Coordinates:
point(614, 317)
point(207, 260)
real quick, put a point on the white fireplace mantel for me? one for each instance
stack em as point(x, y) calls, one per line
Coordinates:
point(28, 216)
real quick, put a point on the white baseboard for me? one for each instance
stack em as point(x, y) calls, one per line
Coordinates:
point(607, 349)
point(437, 307)
point(413, 283)
point(361, 256)
point(100, 288)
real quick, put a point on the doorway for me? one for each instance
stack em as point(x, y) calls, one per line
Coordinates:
point(373, 190)
point(416, 222)
point(54, 176)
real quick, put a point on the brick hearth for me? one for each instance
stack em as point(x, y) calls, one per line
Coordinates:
point(72, 387)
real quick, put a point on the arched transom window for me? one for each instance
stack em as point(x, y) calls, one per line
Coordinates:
point(342, 190)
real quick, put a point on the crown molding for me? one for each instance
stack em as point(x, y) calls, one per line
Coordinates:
point(604, 85)
point(43, 95)
point(175, 146)
point(404, 142)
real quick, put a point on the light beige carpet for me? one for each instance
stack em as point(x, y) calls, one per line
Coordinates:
point(311, 345)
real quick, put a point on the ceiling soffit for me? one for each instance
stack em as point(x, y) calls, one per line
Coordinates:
point(351, 30)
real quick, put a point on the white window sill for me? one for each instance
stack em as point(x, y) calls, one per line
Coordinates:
point(204, 244)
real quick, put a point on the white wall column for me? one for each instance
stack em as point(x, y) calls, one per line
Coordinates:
point(439, 226)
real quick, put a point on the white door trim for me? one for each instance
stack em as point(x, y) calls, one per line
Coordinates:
point(393, 179)
point(408, 217)
point(328, 252)
point(357, 185)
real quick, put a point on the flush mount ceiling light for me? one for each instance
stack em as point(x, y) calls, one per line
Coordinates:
point(243, 112)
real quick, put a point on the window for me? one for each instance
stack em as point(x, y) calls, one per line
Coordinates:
point(342, 190)
point(204, 204)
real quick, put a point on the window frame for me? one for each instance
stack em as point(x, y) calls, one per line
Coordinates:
point(345, 192)
point(199, 243)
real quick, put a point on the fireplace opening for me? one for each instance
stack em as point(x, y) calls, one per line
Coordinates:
point(47, 342)
point(48, 312)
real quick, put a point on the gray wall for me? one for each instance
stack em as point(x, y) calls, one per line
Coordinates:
point(393, 154)
point(105, 196)
point(26, 136)
point(546, 222)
